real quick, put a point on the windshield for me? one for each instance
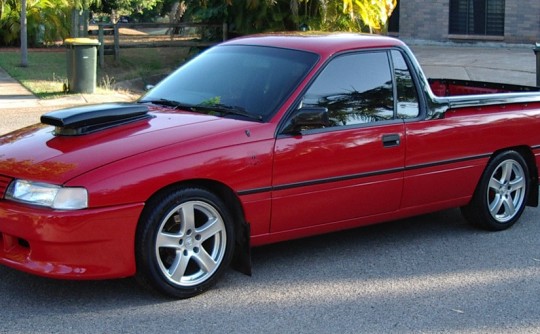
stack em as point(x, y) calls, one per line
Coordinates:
point(253, 79)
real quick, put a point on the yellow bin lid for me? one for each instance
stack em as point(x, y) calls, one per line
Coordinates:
point(81, 41)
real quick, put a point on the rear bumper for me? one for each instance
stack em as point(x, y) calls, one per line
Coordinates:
point(82, 244)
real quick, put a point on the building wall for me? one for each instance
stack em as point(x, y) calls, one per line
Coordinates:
point(420, 19)
point(522, 21)
point(428, 20)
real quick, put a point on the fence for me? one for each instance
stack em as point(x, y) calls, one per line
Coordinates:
point(113, 37)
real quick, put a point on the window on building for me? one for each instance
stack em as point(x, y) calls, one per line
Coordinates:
point(477, 17)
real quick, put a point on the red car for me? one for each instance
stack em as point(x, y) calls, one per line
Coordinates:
point(259, 140)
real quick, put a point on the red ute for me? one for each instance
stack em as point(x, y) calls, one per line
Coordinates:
point(259, 140)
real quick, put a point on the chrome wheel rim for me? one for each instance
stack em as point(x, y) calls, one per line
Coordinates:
point(190, 244)
point(506, 191)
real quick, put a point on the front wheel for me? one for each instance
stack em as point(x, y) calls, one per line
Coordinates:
point(501, 195)
point(184, 242)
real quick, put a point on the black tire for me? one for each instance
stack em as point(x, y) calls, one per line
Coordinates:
point(501, 195)
point(184, 242)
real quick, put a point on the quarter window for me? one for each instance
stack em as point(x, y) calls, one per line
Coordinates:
point(407, 97)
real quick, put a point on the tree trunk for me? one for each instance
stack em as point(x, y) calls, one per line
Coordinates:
point(24, 35)
point(74, 23)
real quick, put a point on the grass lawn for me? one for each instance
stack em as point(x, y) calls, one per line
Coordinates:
point(47, 70)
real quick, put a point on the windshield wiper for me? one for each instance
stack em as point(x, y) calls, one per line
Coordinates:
point(208, 108)
point(170, 103)
point(227, 109)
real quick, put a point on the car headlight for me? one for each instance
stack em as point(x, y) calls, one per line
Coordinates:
point(49, 195)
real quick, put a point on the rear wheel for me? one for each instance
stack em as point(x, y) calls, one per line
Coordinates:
point(184, 242)
point(501, 195)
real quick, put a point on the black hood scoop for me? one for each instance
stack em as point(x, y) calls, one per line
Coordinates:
point(87, 119)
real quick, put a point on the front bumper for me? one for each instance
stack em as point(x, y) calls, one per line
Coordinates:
point(81, 244)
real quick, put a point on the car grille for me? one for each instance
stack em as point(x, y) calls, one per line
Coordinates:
point(4, 183)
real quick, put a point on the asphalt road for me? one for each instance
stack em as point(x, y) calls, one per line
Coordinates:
point(432, 273)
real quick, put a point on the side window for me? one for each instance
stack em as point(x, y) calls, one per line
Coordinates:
point(407, 97)
point(355, 88)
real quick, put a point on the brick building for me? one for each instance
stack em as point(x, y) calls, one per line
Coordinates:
point(509, 21)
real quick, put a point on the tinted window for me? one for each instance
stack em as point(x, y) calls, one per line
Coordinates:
point(407, 104)
point(257, 79)
point(355, 88)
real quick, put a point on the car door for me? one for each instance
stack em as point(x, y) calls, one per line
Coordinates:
point(351, 167)
point(442, 167)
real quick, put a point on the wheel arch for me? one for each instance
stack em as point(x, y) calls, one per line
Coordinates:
point(527, 154)
point(242, 251)
point(480, 212)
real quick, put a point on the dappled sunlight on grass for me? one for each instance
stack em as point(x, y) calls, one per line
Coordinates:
point(47, 70)
point(46, 88)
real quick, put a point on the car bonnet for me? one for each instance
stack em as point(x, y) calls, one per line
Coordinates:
point(38, 154)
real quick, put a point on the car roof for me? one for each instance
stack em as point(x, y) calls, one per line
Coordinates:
point(320, 43)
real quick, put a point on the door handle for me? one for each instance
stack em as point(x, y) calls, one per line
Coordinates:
point(391, 140)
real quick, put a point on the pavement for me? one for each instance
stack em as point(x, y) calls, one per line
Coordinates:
point(20, 108)
point(14, 95)
point(504, 63)
point(512, 64)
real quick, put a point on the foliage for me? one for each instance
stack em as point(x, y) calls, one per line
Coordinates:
point(325, 15)
point(47, 21)
point(252, 16)
point(244, 17)
point(372, 13)
point(84, 4)
point(126, 6)
point(265, 15)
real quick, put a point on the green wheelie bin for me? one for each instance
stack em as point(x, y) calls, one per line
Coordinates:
point(81, 64)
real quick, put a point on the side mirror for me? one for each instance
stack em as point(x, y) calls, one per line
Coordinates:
point(307, 118)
